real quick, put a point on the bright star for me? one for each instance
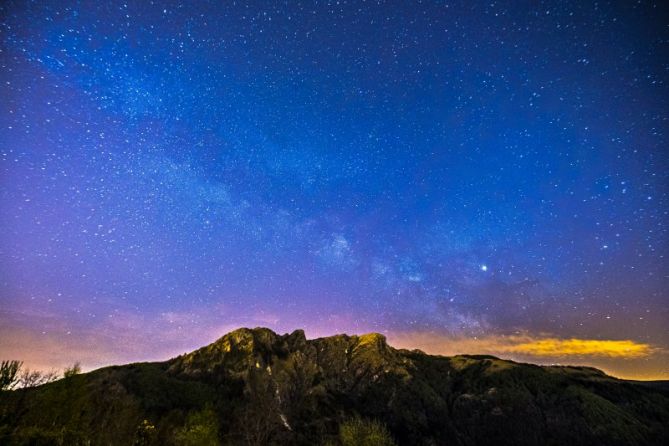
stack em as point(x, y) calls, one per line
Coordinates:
point(484, 267)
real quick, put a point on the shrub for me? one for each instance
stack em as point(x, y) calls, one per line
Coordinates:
point(201, 429)
point(359, 432)
point(144, 434)
point(71, 371)
point(9, 374)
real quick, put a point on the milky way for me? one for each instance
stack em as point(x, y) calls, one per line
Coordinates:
point(463, 176)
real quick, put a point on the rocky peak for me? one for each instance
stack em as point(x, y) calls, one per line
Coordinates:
point(375, 340)
point(248, 348)
point(240, 350)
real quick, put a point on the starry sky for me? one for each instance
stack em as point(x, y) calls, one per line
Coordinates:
point(464, 177)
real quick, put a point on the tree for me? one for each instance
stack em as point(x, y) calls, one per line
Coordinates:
point(261, 415)
point(201, 429)
point(144, 434)
point(12, 374)
point(296, 390)
point(9, 374)
point(75, 369)
point(34, 378)
point(359, 432)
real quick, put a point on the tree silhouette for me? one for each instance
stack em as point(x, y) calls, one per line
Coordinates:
point(9, 374)
point(34, 378)
point(261, 415)
point(75, 369)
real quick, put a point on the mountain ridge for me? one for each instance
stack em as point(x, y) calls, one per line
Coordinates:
point(255, 386)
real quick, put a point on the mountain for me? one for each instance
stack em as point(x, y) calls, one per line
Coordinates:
point(255, 387)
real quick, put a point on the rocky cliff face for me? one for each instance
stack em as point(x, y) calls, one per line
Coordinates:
point(257, 387)
point(346, 359)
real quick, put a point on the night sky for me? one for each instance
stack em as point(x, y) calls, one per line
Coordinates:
point(472, 177)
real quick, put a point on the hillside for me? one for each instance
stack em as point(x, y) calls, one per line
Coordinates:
point(254, 387)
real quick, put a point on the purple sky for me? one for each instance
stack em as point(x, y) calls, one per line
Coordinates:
point(464, 177)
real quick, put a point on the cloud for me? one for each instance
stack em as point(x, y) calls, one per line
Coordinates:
point(526, 346)
point(554, 347)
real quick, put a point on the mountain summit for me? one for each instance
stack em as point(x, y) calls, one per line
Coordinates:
point(256, 387)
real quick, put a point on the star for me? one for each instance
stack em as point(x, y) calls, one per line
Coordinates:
point(179, 160)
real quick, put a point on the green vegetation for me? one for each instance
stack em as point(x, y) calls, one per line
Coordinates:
point(201, 429)
point(145, 435)
point(253, 387)
point(359, 432)
point(9, 372)
point(75, 369)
